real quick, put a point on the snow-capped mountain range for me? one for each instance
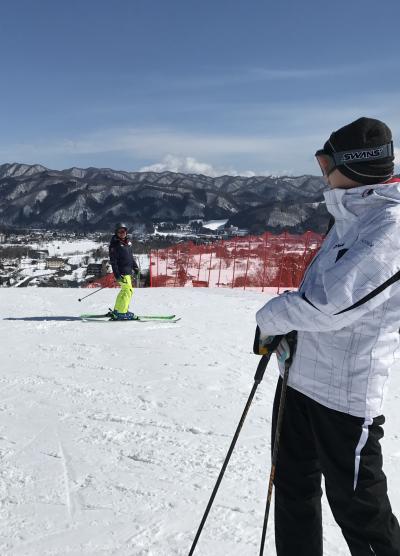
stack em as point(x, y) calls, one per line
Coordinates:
point(94, 198)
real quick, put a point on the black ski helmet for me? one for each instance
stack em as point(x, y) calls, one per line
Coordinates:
point(120, 225)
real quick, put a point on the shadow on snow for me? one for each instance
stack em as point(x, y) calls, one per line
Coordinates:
point(60, 318)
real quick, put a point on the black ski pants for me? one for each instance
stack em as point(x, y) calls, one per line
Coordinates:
point(316, 441)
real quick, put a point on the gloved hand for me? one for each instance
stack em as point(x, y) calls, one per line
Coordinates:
point(284, 346)
point(283, 351)
point(287, 347)
point(264, 343)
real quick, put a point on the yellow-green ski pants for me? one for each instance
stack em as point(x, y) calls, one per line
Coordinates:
point(125, 294)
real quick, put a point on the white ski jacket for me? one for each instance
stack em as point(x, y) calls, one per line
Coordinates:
point(347, 309)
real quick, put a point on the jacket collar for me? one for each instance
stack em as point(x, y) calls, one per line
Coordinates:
point(351, 203)
point(348, 205)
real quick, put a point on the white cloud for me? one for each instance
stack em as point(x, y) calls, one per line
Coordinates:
point(285, 137)
point(189, 165)
point(187, 148)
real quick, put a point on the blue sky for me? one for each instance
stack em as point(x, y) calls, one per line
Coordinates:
point(213, 86)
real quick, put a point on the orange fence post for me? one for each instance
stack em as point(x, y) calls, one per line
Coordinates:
point(247, 264)
point(151, 271)
point(166, 266)
point(219, 272)
point(283, 260)
point(176, 266)
point(198, 273)
point(266, 235)
point(234, 264)
point(306, 244)
point(209, 268)
point(187, 258)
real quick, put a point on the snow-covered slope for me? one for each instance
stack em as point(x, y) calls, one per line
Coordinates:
point(112, 434)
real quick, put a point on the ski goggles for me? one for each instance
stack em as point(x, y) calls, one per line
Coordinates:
point(329, 163)
point(354, 156)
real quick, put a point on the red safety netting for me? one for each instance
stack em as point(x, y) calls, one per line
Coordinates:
point(107, 281)
point(266, 261)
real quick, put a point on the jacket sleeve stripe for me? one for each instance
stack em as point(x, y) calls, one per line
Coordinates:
point(373, 294)
point(303, 295)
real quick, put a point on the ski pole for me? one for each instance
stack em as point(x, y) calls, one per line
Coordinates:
point(262, 365)
point(275, 449)
point(82, 298)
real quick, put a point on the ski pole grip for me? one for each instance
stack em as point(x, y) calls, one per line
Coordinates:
point(262, 365)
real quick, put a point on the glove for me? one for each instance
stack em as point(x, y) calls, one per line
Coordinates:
point(283, 351)
point(264, 343)
point(284, 346)
point(287, 348)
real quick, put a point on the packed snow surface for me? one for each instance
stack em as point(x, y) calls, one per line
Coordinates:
point(112, 434)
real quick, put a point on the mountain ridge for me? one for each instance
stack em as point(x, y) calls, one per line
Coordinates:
point(94, 198)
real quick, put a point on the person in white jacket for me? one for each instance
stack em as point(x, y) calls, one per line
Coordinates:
point(347, 315)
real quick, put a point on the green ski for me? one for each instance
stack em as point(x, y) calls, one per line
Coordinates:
point(138, 318)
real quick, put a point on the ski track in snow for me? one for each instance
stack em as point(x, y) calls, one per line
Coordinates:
point(112, 437)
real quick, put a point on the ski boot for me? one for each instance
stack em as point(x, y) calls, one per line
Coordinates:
point(130, 316)
point(115, 315)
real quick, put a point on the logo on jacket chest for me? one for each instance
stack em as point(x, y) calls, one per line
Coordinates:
point(341, 252)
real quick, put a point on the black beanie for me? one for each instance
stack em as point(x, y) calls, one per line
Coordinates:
point(363, 151)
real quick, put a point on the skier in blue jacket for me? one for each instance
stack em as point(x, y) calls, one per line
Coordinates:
point(123, 265)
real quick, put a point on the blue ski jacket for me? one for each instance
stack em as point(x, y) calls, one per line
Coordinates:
point(121, 257)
